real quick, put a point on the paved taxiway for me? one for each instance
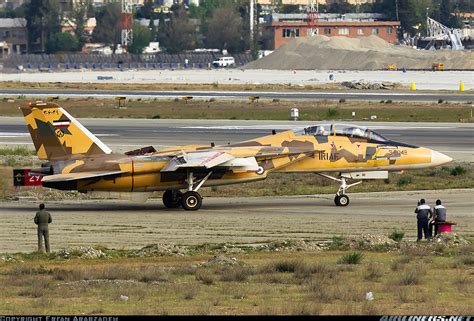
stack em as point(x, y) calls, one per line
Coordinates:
point(453, 139)
point(445, 80)
point(236, 95)
point(120, 224)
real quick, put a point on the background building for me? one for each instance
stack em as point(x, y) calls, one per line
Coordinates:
point(13, 34)
point(282, 28)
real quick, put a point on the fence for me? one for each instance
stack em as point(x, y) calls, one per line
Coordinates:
point(122, 61)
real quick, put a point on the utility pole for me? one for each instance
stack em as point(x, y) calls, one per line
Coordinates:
point(396, 9)
point(127, 23)
point(312, 18)
point(251, 20)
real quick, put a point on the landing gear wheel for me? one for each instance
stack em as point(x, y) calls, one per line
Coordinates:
point(172, 199)
point(336, 200)
point(191, 201)
point(343, 200)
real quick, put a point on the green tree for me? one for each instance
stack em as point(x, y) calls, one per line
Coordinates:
point(141, 38)
point(43, 20)
point(224, 30)
point(146, 11)
point(108, 29)
point(179, 33)
point(446, 15)
point(62, 41)
point(78, 16)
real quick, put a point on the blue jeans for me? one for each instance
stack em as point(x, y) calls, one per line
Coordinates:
point(423, 226)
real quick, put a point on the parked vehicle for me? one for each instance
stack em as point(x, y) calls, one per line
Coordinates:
point(224, 62)
point(153, 47)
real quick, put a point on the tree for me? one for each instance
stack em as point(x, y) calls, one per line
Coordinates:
point(446, 15)
point(146, 11)
point(43, 20)
point(224, 30)
point(179, 33)
point(141, 38)
point(62, 41)
point(108, 29)
point(78, 16)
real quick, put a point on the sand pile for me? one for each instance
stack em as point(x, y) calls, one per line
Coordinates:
point(364, 53)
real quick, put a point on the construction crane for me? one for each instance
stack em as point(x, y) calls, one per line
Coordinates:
point(127, 23)
point(439, 32)
point(312, 18)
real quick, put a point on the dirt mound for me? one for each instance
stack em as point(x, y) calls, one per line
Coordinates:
point(160, 249)
point(83, 252)
point(371, 242)
point(363, 53)
point(220, 260)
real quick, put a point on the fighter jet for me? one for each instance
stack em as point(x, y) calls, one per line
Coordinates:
point(75, 159)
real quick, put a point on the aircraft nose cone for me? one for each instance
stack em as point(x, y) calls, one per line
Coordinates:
point(438, 158)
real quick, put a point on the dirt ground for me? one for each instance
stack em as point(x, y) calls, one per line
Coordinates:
point(120, 224)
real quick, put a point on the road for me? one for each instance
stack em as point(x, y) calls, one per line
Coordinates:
point(119, 224)
point(235, 95)
point(453, 139)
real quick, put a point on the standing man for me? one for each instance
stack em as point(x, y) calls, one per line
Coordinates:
point(423, 213)
point(42, 219)
point(439, 215)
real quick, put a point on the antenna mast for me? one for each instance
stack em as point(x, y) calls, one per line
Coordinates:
point(127, 23)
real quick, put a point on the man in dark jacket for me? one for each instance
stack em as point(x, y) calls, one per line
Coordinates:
point(439, 213)
point(42, 219)
point(423, 213)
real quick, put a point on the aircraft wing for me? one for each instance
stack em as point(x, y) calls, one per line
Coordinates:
point(77, 176)
point(243, 159)
point(210, 159)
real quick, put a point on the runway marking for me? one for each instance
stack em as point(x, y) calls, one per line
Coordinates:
point(12, 135)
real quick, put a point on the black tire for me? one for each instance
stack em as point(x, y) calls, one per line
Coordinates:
point(172, 200)
point(343, 200)
point(191, 201)
point(336, 200)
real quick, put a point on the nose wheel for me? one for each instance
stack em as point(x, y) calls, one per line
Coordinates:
point(341, 199)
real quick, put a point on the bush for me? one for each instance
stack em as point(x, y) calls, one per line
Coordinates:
point(204, 277)
point(351, 258)
point(337, 242)
point(404, 180)
point(397, 235)
point(411, 277)
point(457, 171)
point(332, 112)
point(342, 100)
point(440, 101)
point(236, 274)
point(389, 101)
point(373, 272)
point(156, 117)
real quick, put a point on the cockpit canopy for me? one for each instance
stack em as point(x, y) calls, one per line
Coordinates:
point(342, 130)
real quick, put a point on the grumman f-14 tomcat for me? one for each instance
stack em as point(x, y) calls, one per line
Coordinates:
point(75, 159)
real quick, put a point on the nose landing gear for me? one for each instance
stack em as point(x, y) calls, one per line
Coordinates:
point(341, 199)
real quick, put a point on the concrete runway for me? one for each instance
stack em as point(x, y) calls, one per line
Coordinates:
point(424, 80)
point(119, 224)
point(243, 95)
point(453, 139)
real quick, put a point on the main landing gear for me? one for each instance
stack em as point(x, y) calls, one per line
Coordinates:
point(341, 199)
point(190, 200)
